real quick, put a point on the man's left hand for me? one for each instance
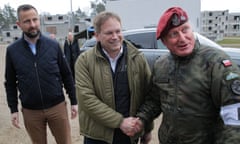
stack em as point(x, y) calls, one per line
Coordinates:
point(74, 111)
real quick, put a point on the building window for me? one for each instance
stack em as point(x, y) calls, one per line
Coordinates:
point(88, 19)
point(60, 18)
point(8, 34)
point(235, 27)
point(236, 18)
point(209, 28)
point(76, 28)
point(49, 18)
point(15, 27)
point(210, 21)
point(210, 14)
point(51, 29)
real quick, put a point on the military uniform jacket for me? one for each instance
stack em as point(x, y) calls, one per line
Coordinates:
point(194, 94)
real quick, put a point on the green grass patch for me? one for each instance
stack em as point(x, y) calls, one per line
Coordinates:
point(229, 41)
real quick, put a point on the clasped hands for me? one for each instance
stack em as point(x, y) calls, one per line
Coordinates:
point(131, 125)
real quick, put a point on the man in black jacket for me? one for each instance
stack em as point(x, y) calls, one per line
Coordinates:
point(37, 69)
point(71, 50)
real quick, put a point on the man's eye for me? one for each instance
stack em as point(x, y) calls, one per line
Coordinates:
point(108, 33)
point(118, 32)
point(26, 22)
point(173, 34)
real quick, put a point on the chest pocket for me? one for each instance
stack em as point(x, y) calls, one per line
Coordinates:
point(162, 81)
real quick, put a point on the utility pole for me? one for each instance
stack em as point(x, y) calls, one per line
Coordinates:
point(71, 18)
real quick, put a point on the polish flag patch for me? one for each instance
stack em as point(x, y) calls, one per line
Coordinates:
point(227, 63)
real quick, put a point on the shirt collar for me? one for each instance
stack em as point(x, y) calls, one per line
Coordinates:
point(119, 54)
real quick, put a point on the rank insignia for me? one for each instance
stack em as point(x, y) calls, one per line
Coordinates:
point(235, 86)
point(227, 63)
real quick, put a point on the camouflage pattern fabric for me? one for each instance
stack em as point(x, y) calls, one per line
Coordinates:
point(190, 92)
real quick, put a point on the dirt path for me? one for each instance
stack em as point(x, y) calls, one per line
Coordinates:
point(12, 135)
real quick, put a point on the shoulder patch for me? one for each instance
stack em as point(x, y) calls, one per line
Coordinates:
point(235, 86)
point(231, 76)
point(226, 63)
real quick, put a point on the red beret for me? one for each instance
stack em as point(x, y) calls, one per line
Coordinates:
point(172, 17)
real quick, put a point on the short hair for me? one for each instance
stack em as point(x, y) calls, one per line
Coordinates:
point(25, 7)
point(101, 18)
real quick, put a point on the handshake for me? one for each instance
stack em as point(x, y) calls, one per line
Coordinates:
point(133, 125)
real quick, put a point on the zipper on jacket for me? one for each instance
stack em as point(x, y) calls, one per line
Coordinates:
point(38, 83)
point(176, 85)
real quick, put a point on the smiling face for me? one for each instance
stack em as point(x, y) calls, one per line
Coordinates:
point(110, 35)
point(180, 40)
point(29, 23)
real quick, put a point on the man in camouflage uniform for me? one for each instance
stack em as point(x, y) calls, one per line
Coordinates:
point(195, 87)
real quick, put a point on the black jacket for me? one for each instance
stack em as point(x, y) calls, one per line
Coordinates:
point(38, 78)
point(71, 51)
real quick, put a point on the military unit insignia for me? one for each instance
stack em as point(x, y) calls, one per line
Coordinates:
point(175, 20)
point(231, 76)
point(235, 86)
point(227, 63)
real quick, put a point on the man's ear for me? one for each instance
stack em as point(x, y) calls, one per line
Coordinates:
point(96, 35)
point(18, 23)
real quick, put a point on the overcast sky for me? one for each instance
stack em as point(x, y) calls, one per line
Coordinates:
point(63, 6)
point(231, 5)
point(50, 6)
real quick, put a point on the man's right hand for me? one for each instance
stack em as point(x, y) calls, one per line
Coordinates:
point(131, 125)
point(15, 119)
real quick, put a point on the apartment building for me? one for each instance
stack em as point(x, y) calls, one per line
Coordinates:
point(59, 25)
point(233, 27)
point(55, 24)
point(219, 24)
point(13, 33)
